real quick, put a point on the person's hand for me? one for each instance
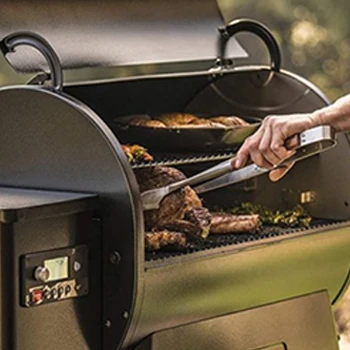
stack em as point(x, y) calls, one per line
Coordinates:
point(273, 142)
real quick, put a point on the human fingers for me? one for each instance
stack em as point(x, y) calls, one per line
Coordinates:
point(250, 143)
point(258, 158)
point(292, 142)
point(242, 156)
point(283, 133)
point(265, 147)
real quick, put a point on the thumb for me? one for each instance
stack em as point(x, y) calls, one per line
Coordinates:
point(277, 174)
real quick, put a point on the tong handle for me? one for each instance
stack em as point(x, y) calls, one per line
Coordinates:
point(311, 142)
point(209, 174)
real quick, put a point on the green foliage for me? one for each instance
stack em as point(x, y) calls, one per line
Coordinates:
point(313, 35)
point(296, 217)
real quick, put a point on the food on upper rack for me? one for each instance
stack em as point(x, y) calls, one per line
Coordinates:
point(136, 152)
point(164, 239)
point(229, 121)
point(176, 119)
point(204, 123)
point(222, 223)
point(151, 123)
point(298, 216)
point(186, 120)
point(178, 208)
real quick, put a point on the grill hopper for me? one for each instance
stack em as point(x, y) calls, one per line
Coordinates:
point(53, 141)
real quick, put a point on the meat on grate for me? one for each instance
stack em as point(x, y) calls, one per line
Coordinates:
point(179, 211)
point(222, 223)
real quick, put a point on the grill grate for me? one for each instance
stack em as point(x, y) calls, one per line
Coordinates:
point(170, 159)
point(216, 241)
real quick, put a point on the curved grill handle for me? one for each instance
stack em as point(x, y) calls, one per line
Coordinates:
point(11, 41)
point(251, 26)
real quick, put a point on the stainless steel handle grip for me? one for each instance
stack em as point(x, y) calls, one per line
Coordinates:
point(11, 41)
point(311, 142)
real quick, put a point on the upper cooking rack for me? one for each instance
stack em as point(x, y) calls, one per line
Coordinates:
point(171, 159)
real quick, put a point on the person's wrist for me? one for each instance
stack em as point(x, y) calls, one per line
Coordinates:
point(318, 118)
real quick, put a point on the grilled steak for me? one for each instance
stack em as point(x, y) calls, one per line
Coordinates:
point(222, 223)
point(196, 223)
point(165, 240)
point(183, 205)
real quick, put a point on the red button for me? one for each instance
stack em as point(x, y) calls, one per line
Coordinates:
point(37, 296)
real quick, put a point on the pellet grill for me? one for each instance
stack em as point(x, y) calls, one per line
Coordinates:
point(70, 205)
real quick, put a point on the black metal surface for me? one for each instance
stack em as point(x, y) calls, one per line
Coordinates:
point(129, 32)
point(310, 315)
point(69, 324)
point(216, 241)
point(256, 91)
point(51, 141)
point(23, 204)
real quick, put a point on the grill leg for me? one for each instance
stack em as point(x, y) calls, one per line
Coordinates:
point(302, 323)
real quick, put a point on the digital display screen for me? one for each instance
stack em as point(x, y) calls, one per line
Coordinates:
point(58, 268)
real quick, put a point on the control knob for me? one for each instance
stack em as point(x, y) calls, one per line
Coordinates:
point(42, 274)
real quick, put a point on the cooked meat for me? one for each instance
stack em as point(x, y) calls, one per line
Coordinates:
point(156, 177)
point(186, 120)
point(222, 223)
point(176, 119)
point(201, 218)
point(165, 240)
point(206, 122)
point(150, 123)
point(186, 227)
point(196, 223)
point(137, 121)
point(229, 121)
point(180, 205)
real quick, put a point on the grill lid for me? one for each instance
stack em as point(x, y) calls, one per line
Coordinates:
point(116, 33)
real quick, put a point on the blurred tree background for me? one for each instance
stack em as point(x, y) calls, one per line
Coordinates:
point(313, 36)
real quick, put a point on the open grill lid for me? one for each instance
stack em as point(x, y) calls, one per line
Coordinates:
point(117, 33)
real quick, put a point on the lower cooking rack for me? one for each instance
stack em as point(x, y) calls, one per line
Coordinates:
point(225, 240)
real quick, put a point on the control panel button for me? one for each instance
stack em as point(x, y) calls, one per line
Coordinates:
point(77, 266)
point(60, 291)
point(37, 296)
point(68, 289)
point(42, 274)
point(47, 294)
point(53, 293)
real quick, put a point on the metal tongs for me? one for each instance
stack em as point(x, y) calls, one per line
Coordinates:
point(311, 142)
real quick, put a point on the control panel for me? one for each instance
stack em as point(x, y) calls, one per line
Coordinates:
point(54, 275)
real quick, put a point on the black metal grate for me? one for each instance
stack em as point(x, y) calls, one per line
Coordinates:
point(216, 241)
point(170, 159)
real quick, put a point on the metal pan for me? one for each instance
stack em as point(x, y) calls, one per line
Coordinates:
point(199, 139)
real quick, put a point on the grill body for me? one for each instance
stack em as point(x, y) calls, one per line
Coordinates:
point(64, 142)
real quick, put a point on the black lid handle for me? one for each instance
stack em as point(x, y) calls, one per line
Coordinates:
point(11, 41)
point(251, 26)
